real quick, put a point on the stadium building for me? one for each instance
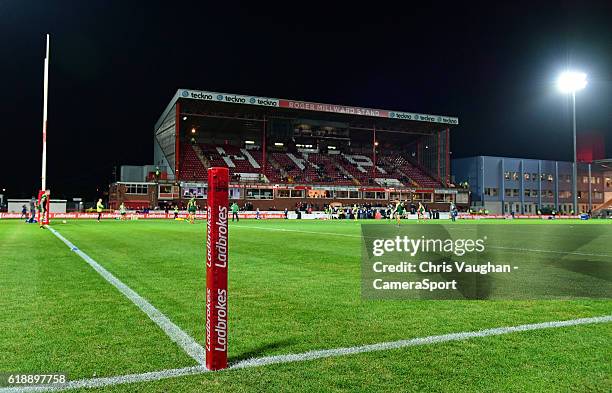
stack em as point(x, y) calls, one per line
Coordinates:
point(503, 185)
point(284, 153)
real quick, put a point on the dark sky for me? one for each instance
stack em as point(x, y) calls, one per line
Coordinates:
point(116, 64)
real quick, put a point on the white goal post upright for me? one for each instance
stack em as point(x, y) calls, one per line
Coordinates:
point(44, 125)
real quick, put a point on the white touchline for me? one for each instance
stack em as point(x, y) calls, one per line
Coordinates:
point(494, 247)
point(305, 356)
point(185, 341)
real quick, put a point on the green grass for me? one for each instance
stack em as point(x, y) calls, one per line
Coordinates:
point(294, 287)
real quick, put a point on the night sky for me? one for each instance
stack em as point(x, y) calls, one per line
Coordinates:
point(116, 64)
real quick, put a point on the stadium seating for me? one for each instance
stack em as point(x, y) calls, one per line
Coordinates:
point(191, 167)
point(306, 168)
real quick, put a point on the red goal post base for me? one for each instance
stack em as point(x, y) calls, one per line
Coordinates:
point(216, 268)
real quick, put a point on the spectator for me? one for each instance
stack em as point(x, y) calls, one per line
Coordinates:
point(32, 210)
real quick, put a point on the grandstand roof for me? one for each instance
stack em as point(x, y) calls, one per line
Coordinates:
point(357, 116)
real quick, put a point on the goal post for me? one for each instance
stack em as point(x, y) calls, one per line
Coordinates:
point(216, 268)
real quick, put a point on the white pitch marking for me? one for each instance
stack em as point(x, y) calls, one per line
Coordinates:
point(305, 356)
point(494, 247)
point(296, 230)
point(185, 341)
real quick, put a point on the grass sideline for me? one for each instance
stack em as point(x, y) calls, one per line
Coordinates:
point(293, 288)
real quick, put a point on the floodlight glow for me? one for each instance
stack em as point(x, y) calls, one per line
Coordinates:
point(570, 82)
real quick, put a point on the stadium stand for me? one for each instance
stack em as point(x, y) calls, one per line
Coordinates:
point(304, 167)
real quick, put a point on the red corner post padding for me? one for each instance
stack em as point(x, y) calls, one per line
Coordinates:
point(216, 269)
point(42, 215)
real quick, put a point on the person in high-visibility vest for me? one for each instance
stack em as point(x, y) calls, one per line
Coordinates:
point(99, 208)
point(176, 211)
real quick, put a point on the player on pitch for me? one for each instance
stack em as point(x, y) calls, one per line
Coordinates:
point(399, 212)
point(122, 211)
point(420, 212)
point(191, 209)
point(42, 207)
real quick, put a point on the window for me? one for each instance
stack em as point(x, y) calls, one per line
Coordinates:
point(534, 176)
point(511, 192)
point(566, 194)
point(526, 176)
point(369, 195)
point(256, 193)
point(550, 177)
point(140, 189)
point(282, 193)
point(491, 191)
point(168, 191)
point(598, 196)
point(515, 176)
point(585, 179)
point(165, 189)
point(507, 175)
point(534, 193)
point(235, 192)
point(191, 190)
point(299, 194)
point(426, 197)
point(341, 194)
point(549, 193)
